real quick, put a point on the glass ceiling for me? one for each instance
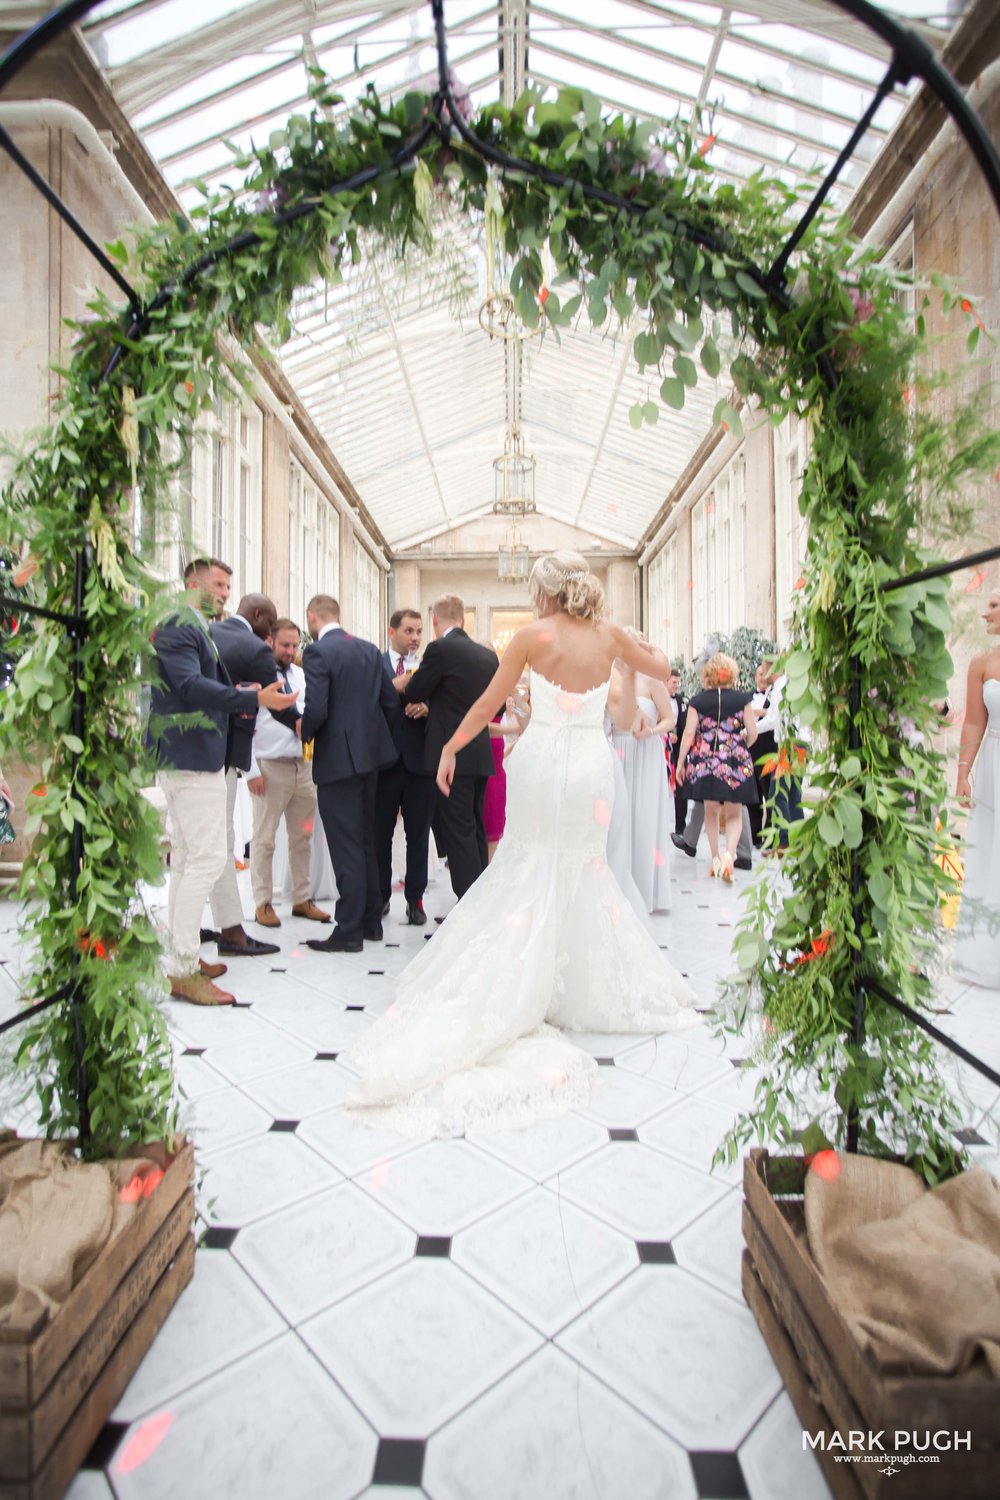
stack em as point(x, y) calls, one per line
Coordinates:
point(392, 365)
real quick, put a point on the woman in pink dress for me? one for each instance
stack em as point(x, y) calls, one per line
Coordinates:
point(495, 805)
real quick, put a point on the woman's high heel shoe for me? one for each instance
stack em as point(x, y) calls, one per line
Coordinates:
point(716, 870)
point(727, 869)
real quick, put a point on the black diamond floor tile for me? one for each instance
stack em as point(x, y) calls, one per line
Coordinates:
point(289, 1127)
point(970, 1137)
point(218, 1238)
point(105, 1445)
point(719, 1476)
point(376, 971)
point(617, 1134)
point(192, 1051)
point(656, 1252)
point(354, 1007)
point(399, 1461)
point(327, 1056)
point(437, 1246)
point(605, 1062)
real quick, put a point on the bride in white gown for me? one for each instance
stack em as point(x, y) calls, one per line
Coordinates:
point(544, 941)
point(977, 940)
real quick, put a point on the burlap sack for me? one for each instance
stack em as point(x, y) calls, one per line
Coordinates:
point(915, 1273)
point(56, 1216)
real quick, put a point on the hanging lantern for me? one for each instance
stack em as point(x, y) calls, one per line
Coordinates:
point(513, 478)
point(513, 562)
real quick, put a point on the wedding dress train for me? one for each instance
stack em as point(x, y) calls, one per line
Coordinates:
point(545, 939)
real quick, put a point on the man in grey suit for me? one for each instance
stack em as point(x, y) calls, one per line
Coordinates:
point(348, 694)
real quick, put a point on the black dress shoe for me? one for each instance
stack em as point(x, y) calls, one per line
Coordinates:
point(743, 863)
point(373, 934)
point(385, 909)
point(209, 935)
point(677, 839)
point(415, 914)
point(335, 943)
point(252, 948)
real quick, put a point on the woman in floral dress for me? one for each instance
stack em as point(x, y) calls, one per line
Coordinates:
point(714, 763)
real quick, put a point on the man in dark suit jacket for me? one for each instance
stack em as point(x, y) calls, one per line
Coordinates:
point(193, 679)
point(241, 643)
point(406, 786)
point(348, 694)
point(452, 675)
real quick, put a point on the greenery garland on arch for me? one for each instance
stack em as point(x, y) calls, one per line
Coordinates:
point(683, 261)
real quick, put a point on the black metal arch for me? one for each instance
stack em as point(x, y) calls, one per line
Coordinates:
point(911, 57)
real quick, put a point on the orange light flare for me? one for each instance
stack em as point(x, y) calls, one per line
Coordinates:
point(461, 738)
point(826, 1164)
point(978, 579)
point(141, 1186)
point(39, 791)
point(543, 295)
point(799, 583)
point(308, 826)
point(570, 703)
point(658, 859)
point(707, 144)
point(690, 583)
point(144, 1442)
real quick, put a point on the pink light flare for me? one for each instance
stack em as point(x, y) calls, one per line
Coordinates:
point(379, 1175)
point(602, 812)
point(308, 825)
point(658, 859)
point(570, 703)
point(554, 1076)
point(826, 1164)
point(144, 1442)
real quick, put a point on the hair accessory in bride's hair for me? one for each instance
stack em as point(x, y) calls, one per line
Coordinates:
point(566, 577)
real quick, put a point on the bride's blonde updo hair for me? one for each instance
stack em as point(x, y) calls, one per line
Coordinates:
point(566, 578)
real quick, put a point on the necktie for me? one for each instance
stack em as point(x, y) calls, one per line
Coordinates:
point(400, 668)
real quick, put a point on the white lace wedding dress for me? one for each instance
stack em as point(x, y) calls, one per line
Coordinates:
point(977, 940)
point(544, 942)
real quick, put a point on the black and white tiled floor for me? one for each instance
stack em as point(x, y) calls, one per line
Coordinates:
point(550, 1313)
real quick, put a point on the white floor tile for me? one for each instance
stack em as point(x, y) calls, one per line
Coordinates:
point(639, 1190)
point(89, 1484)
point(196, 1077)
point(692, 1130)
point(417, 1346)
point(670, 1062)
point(264, 1053)
point(305, 1089)
point(544, 1258)
point(684, 1353)
point(269, 1173)
point(712, 1247)
point(550, 1430)
point(321, 1250)
point(273, 1425)
point(622, 1101)
point(218, 1318)
point(351, 1145)
point(547, 1147)
point(441, 1187)
point(774, 1463)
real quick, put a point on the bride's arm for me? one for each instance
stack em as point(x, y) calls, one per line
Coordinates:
point(640, 656)
point(487, 705)
point(973, 727)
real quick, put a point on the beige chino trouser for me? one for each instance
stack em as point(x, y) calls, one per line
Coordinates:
point(290, 794)
point(196, 806)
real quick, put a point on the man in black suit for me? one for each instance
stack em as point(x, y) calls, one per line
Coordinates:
point(348, 695)
point(452, 675)
point(193, 679)
point(676, 735)
point(406, 786)
point(242, 644)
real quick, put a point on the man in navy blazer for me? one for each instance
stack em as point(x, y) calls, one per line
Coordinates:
point(192, 679)
point(241, 643)
point(347, 697)
point(407, 786)
point(454, 672)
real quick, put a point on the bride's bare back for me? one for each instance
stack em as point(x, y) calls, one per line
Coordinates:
point(578, 654)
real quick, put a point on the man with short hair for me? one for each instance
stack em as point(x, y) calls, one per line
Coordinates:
point(407, 786)
point(214, 579)
point(193, 679)
point(455, 671)
point(242, 643)
point(347, 697)
point(281, 784)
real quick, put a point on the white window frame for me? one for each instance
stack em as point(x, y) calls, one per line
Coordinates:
point(365, 615)
point(791, 454)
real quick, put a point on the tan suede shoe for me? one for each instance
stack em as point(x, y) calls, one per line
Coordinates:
point(311, 912)
point(267, 916)
point(211, 971)
point(197, 990)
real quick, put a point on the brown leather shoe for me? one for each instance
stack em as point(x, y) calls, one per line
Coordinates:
point(211, 971)
point(267, 916)
point(311, 912)
point(197, 990)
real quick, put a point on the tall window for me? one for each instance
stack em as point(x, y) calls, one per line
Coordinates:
point(702, 570)
point(364, 619)
point(791, 452)
point(665, 625)
point(728, 603)
point(313, 542)
point(235, 493)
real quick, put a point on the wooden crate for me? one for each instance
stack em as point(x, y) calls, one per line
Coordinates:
point(59, 1384)
point(833, 1383)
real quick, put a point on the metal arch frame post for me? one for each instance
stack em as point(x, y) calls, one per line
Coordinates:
point(911, 56)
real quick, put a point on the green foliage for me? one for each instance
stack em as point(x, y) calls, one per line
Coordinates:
point(684, 261)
